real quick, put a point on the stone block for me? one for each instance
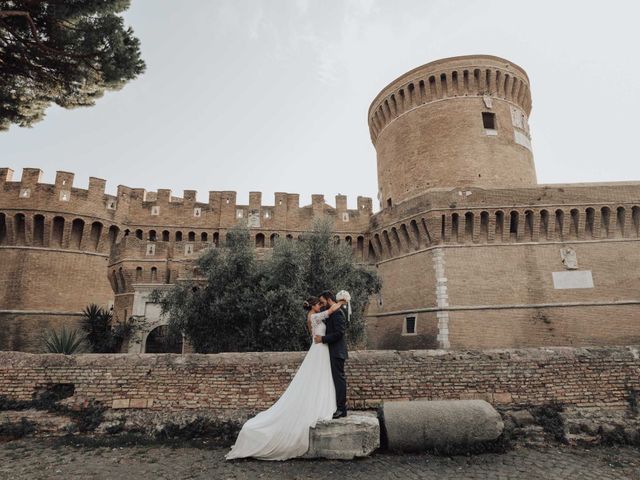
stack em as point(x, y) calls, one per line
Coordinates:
point(356, 435)
point(120, 403)
point(522, 418)
point(138, 403)
point(423, 425)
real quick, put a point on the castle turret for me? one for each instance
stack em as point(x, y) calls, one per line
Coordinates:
point(456, 122)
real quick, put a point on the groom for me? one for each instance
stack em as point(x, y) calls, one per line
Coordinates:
point(335, 338)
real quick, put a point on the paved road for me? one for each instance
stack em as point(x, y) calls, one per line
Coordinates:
point(48, 459)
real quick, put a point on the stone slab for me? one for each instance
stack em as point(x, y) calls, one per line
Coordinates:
point(357, 435)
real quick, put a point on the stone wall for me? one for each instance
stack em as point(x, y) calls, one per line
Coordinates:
point(582, 377)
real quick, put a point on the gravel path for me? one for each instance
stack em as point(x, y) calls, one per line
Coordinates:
point(51, 459)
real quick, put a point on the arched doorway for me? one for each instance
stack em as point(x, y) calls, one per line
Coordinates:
point(160, 341)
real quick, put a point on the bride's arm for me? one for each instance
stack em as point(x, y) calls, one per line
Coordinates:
point(309, 326)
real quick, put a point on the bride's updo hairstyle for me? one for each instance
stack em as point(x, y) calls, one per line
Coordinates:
point(310, 302)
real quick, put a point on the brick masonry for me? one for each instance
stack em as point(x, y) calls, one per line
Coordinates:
point(584, 377)
point(468, 242)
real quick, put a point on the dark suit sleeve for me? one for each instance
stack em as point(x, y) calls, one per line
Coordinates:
point(340, 327)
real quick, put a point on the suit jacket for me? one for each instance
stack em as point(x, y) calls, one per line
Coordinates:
point(334, 336)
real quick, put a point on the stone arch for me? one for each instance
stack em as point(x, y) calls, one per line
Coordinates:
point(191, 236)
point(484, 226)
point(204, 237)
point(544, 224)
point(635, 219)
point(559, 225)
point(216, 238)
point(589, 224)
point(499, 225)
point(605, 218)
point(178, 236)
point(122, 280)
point(153, 236)
point(273, 239)
point(3, 229)
point(407, 243)
point(514, 220)
point(360, 247)
point(57, 231)
point(113, 234)
point(77, 229)
point(260, 240)
point(139, 234)
point(160, 340)
point(95, 234)
point(348, 240)
point(528, 225)
point(468, 226)
point(387, 244)
point(455, 225)
point(415, 232)
point(38, 230)
point(139, 274)
point(19, 229)
point(620, 221)
point(166, 235)
point(154, 274)
point(575, 223)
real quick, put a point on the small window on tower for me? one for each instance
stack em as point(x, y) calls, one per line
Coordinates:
point(489, 122)
point(409, 326)
point(389, 203)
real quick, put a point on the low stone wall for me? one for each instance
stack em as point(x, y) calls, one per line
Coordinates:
point(583, 377)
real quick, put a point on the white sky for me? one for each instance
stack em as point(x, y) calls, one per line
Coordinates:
point(272, 95)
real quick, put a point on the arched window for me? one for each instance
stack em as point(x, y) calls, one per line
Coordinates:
point(216, 238)
point(192, 236)
point(152, 236)
point(165, 235)
point(273, 239)
point(138, 274)
point(559, 224)
point(178, 236)
point(260, 240)
point(139, 234)
point(204, 237)
point(154, 274)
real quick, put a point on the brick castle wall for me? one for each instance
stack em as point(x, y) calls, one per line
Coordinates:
point(599, 376)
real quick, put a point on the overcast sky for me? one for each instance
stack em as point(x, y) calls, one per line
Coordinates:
point(257, 95)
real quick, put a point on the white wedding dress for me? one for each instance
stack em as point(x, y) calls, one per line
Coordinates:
point(282, 431)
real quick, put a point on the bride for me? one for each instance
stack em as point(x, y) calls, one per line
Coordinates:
point(282, 431)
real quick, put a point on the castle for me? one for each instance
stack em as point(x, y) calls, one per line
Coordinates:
point(473, 253)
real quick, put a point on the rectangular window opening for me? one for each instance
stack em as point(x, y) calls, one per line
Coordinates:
point(489, 120)
point(409, 325)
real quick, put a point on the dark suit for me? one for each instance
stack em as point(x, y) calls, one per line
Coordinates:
point(335, 338)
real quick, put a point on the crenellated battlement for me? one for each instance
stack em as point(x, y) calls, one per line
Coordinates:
point(61, 216)
point(467, 76)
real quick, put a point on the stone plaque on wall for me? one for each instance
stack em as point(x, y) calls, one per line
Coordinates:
point(254, 219)
point(572, 279)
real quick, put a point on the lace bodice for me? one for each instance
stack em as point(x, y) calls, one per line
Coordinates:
point(317, 324)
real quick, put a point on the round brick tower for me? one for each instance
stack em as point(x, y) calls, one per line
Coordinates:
point(455, 122)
